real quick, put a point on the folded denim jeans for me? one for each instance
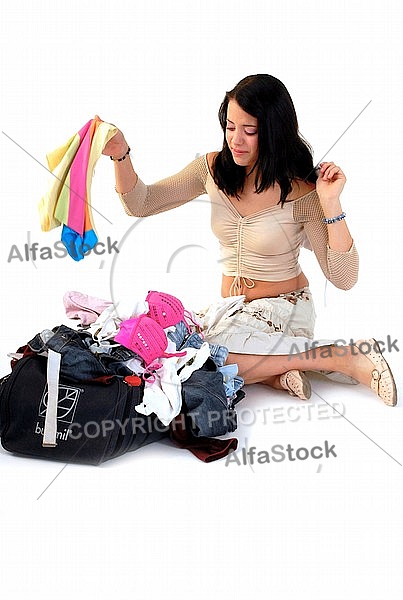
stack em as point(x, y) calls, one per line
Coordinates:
point(210, 411)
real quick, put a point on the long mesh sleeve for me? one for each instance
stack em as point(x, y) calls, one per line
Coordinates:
point(341, 268)
point(145, 200)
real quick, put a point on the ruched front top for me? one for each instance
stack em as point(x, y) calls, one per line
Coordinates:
point(263, 245)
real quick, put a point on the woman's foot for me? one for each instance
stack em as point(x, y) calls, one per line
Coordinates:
point(382, 381)
point(296, 383)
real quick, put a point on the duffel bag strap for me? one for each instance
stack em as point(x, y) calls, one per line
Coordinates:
point(50, 427)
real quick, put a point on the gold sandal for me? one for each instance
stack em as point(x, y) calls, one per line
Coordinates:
point(296, 383)
point(382, 381)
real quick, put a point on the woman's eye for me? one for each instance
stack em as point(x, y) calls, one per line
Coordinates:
point(246, 131)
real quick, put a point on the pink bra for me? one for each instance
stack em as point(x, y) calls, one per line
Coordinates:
point(165, 309)
point(146, 338)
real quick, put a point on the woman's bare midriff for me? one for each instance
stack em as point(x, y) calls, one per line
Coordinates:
point(264, 289)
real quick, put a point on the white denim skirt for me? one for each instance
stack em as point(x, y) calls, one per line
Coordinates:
point(281, 325)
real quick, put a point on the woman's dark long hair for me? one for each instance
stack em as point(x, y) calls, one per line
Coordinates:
point(284, 155)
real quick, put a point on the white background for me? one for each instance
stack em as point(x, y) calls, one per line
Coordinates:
point(159, 522)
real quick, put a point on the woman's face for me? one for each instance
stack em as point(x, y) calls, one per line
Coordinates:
point(242, 135)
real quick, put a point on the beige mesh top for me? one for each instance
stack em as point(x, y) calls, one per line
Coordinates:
point(262, 246)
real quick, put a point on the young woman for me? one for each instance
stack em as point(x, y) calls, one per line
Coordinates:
point(267, 200)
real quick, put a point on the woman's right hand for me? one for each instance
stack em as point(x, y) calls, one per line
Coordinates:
point(117, 146)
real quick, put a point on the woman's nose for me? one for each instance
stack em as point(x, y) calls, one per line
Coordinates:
point(237, 137)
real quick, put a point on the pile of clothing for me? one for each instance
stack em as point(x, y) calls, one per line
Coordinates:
point(157, 342)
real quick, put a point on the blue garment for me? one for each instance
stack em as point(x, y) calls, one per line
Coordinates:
point(77, 245)
point(231, 380)
point(182, 340)
point(78, 363)
point(178, 336)
point(210, 412)
point(219, 354)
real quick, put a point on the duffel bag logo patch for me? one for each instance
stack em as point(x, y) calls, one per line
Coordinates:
point(66, 408)
point(66, 403)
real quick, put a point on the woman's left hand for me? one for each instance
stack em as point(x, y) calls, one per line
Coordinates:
point(330, 182)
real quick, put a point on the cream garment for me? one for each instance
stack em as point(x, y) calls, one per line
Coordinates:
point(262, 246)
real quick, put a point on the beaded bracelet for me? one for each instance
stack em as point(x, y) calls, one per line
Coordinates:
point(123, 157)
point(334, 219)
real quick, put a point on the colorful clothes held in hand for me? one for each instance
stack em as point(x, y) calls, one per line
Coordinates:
point(68, 199)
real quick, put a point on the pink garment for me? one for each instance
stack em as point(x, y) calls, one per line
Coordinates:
point(83, 307)
point(165, 309)
point(146, 338)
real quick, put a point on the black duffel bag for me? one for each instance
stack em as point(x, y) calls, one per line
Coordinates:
point(96, 420)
